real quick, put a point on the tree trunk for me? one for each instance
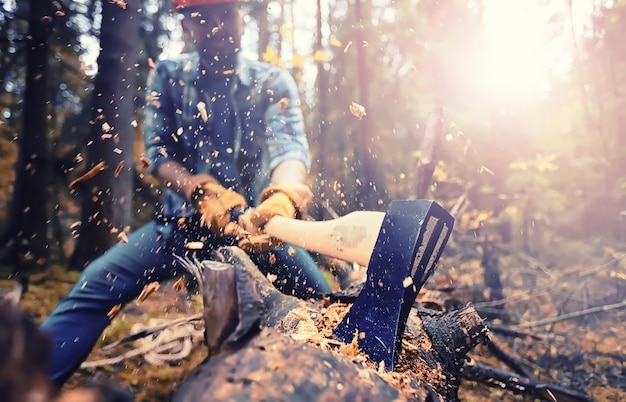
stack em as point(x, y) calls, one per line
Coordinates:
point(429, 152)
point(107, 196)
point(24, 242)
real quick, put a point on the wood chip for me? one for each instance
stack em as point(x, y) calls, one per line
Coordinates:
point(282, 104)
point(91, 173)
point(179, 284)
point(147, 291)
point(202, 109)
point(357, 110)
point(114, 310)
point(194, 245)
point(122, 237)
point(119, 168)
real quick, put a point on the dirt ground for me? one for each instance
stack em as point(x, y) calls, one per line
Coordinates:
point(585, 353)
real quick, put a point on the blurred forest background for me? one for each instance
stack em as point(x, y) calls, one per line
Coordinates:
point(533, 97)
point(531, 160)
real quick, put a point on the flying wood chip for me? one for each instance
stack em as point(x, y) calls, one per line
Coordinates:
point(120, 3)
point(282, 104)
point(119, 168)
point(122, 237)
point(91, 173)
point(147, 291)
point(114, 310)
point(202, 109)
point(357, 110)
point(179, 284)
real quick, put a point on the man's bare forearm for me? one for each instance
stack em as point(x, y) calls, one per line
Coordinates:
point(291, 171)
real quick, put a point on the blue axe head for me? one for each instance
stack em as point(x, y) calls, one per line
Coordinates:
point(412, 237)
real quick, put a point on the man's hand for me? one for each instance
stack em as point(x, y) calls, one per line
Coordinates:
point(215, 202)
point(289, 201)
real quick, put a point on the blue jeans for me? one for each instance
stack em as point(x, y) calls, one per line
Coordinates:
point(118, 276)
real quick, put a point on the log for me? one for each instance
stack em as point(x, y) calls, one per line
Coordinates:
point(282, 346)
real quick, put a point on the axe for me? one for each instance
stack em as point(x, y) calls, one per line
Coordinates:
point(400, 247)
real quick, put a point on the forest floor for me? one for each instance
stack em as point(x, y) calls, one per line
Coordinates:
point(584, 353)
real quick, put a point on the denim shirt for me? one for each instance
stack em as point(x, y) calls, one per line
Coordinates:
point(268, 127)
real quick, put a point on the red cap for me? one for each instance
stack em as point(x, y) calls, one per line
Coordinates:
point(180, 4)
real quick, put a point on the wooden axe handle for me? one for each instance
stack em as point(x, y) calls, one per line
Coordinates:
point(350, 238)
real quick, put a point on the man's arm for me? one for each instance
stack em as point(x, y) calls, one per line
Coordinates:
point(291, 171)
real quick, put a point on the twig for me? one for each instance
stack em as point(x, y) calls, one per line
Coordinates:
point(574, 314)
point(497, 378)
point(535, 262)
point(461, 201)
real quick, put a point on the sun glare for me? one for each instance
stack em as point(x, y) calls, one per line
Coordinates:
point(520, 55)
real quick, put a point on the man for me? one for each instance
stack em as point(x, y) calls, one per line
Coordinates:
point(223, 134)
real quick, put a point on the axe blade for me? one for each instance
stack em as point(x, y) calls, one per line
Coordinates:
point(412, 237)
